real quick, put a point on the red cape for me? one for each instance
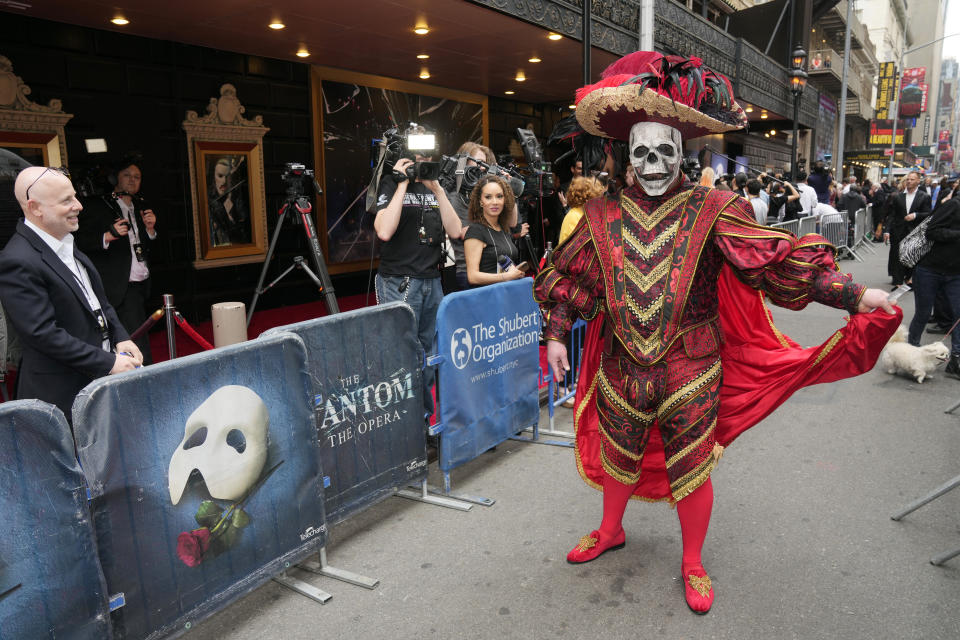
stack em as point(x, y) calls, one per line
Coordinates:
point(761, 369)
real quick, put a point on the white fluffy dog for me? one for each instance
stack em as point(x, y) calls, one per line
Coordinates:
point(916, 362)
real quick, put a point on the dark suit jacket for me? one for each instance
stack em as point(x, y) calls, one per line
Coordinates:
point(59, 332)
point(113, 263)
point(895, 225)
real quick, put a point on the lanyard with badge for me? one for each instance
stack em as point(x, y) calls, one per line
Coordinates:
point(98, 312)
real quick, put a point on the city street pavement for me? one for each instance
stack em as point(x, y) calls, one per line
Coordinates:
point(801, 544)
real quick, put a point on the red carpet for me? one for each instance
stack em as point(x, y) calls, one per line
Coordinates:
point(261, 321)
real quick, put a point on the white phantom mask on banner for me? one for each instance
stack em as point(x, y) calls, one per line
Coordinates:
point(226, 441)
point(655, 153)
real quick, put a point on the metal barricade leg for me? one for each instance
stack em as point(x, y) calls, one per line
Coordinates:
point(943, 557)
point(303, 588)
point(322, 568)
point(438, 499)
point(933, 495)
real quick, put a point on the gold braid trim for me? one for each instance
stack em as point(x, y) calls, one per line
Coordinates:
point(647, 250)
point(644, 314)
point(827, 348)
point(689, 389)
point(615, 444)
point(769, 316)
point(611, 394)
point(687, 449)
point(618, 474)
point(648, 222)
point(578, 414)
point(645, 281)
point(693, 424)
point(691, 482)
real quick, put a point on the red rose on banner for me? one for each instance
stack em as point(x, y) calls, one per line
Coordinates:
point(191, 545)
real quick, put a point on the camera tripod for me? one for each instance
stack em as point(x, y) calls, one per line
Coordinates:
point(304, 210)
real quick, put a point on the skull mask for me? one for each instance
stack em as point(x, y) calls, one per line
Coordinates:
point(225, 439)
point(655, 156)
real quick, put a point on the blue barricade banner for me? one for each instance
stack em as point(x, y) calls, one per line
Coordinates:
point(205, 479)
point(489, 340)
point(51, 585)
point(368, 398)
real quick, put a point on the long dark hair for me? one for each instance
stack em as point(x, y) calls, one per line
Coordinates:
point(476, 210)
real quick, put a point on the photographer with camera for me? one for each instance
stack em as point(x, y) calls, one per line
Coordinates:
point(412, 214)
point(117, 233)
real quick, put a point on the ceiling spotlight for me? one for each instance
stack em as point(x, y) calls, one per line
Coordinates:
point(424, 74)
point(276, 25)
point(773, 132)
point(520, 76)
point(571, 107)
point(423, 56)
point(766, 135)
point(749, 109)
point(509, 92)
point(120, 21)
point(534, 60)
point(421, 29)
point(303, 53)
point(763, 116)
point(554, 36)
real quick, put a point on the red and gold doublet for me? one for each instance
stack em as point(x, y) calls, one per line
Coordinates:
point(650, 266)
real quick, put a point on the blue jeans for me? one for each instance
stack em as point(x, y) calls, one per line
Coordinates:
point(926, 284)
point(424, 296)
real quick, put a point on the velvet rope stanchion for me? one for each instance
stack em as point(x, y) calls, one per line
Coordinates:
point(148, 324)
point(191, 332)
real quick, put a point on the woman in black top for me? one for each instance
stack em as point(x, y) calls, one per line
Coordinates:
point(939, 272)
point(488, 238)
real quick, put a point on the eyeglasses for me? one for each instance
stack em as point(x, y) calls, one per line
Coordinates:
point(61, 170)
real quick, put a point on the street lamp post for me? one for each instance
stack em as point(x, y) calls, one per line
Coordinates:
point(896, 102)
point(798, 80)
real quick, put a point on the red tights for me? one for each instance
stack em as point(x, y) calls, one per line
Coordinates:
point(693, 512)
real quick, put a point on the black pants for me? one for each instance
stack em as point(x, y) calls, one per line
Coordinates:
point(132, 314)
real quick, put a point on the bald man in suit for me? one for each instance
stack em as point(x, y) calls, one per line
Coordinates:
point(55, 298)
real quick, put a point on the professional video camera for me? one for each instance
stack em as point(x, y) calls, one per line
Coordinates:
point(539, 180)
point(95, 181)
point(396, 144)
point(410, 143)
point(454, 167)
point(691, 168)
point(293, 177)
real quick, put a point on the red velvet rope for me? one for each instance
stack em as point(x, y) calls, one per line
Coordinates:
point(191, 333)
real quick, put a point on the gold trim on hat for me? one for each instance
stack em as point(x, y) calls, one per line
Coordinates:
point(595, 103)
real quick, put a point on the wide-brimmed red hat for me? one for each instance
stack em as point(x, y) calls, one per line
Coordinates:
point(647, 86)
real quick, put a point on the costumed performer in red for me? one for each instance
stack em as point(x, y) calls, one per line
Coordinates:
point(682, 354)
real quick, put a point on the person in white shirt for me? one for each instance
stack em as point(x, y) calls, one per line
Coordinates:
point(808, 195)
point(54, 297)
point(754, 187)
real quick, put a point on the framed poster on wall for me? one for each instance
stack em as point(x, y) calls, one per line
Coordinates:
point(351, 112)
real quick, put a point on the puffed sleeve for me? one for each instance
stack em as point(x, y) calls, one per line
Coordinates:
point(570, 285)
point(791, 271)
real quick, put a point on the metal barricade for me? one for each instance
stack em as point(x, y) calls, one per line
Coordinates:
point(793, 226)
point(862, 226)
point(807, 224)
point(835, 227)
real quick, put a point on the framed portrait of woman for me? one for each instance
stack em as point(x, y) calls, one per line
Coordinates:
point(226, 175)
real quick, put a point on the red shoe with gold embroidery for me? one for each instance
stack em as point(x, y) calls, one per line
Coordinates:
point(594, 545)
point(698, 589)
